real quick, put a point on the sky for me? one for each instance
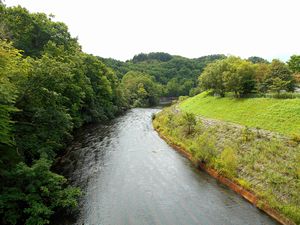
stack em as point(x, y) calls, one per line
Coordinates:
point(121, 29)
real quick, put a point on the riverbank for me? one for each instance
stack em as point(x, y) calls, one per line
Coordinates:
point(255, 164)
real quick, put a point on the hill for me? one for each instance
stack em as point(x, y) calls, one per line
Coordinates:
point(177, 74)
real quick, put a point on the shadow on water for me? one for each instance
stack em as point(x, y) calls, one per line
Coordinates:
point(131, 176)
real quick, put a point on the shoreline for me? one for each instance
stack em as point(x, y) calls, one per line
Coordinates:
point(246, 194)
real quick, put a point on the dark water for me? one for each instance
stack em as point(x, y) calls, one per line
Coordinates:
point(131, 176)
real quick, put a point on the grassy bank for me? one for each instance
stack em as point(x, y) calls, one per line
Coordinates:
point(279, 115)
point(262, 163)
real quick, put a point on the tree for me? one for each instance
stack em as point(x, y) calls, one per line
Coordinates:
point(257, 60)
point(231, 74)
point(280, 70)
point(212, 77)
point(189, 120)
point(99, 103)
point(38, 190)
point(294, 63)
point(160, 56)
point(262, 72)
point(142, 88)
point(278, 85)
point(173, 87)
point(32, 31)
point(177, 74)
point(42, 99)
point(294, 66)
point(239, 77)
point(10, 64)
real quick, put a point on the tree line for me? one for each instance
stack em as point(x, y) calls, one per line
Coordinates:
point(176, 75)
point(244, 77)
point(48, 88)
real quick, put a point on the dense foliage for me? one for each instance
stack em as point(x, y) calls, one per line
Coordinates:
point(141, 88)
point(177, 75)
point(48, 88)
point(242, 77)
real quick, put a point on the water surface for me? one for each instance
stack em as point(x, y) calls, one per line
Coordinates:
point(132, 177)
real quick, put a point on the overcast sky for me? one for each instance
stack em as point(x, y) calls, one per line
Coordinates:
point(191, 28)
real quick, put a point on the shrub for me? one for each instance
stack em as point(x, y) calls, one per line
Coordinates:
point(39, 190)
point(189, 121)
point(198, 129)
point(227, 163)
point(205, 148)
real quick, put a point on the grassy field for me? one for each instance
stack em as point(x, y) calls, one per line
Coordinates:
point(279, 115)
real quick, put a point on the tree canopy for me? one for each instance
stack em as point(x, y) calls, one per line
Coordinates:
point(141, 88)
point(243, 77)
point(177, 75)
point(48, 88)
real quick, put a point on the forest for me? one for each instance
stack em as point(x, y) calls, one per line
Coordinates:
point(176, 74)
point(49, 88)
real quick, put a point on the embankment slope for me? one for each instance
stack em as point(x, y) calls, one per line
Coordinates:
point(267, 163)
point(278, 115)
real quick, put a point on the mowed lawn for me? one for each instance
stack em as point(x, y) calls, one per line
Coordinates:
point(279, 115)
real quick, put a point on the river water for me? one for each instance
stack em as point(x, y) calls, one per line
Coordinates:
point(130, 176)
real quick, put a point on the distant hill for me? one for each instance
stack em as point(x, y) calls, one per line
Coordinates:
point(178, 74)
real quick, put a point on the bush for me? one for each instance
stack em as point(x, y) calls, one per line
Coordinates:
point(39, 191)
point(227, 163)
point(205, 148)
point(189, 122)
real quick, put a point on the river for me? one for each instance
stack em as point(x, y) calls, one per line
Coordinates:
point(130, 176)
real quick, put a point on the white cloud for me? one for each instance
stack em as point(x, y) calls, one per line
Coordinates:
point(191, 28)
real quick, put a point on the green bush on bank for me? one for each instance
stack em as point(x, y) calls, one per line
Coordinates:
point(227, 162)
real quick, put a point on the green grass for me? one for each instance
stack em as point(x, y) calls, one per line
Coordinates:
point(279, 115)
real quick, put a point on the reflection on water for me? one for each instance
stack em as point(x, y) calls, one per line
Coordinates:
point(131, 176)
